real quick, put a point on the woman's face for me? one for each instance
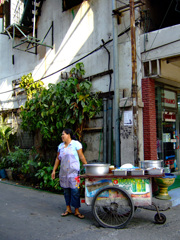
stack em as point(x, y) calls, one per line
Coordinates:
point(65, 137)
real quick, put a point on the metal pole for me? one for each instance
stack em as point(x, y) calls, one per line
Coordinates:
point(116, 86)
point(34, 19)
point(109, 117)
point(104, 130)
point(134, 93)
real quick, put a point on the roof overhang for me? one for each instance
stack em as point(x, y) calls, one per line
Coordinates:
point(160, 54)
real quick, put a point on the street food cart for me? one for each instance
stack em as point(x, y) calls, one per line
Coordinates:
point(114, 198)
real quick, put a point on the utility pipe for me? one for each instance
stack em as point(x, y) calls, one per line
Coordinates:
point(133, 49)
point(109, 123)
point(104, 130)
point(109, 113)
point(34, 19)
point(109, 58)
point(116, 86)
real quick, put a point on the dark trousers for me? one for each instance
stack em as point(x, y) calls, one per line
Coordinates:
point(72, 197)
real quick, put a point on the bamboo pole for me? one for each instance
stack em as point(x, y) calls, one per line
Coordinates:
point(134, 93)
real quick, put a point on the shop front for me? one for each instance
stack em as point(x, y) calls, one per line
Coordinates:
point(167, 126)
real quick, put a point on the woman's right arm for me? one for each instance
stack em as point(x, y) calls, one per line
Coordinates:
point(56, 164)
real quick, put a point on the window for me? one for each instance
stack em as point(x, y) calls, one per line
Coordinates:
point(67, 4)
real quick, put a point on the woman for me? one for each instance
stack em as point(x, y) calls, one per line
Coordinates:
point(69, 153)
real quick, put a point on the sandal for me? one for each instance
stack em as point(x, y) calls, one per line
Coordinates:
point(66, 213)
point(79, 215)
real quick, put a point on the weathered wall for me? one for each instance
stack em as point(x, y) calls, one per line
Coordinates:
point(77, 32)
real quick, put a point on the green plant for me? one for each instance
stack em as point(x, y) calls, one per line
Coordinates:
point(68, 103)
point(78, 71)
point(82, 180)
point(33, 164)
point(46, 182)
point(5, 133)
point(3, 163)
point(29, 85)
point(17, 159)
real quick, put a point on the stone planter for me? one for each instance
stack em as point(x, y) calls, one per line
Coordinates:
point(163, 184)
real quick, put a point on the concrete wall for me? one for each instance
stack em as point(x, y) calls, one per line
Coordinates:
point(77, 32)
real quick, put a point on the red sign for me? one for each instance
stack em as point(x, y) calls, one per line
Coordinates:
point(169, 116)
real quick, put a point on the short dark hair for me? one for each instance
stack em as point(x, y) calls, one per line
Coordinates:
point(69, 131)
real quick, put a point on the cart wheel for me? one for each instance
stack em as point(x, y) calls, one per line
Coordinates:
point(112, 207)
point(160, 218)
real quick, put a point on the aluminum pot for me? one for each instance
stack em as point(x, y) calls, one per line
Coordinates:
point(97, 168)
point(150, 164)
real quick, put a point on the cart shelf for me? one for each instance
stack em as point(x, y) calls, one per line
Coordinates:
point(110, 175)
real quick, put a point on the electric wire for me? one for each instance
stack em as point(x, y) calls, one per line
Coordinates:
point(98, 48)
point(159, 27)
point(109, 59)
point(59, 69)
point(122, 2)
point(95, 50)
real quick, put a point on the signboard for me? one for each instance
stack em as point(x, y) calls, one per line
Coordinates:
point(166, 137)
point(169, 99)
point(128, 118)
point(139, 189)
point(169, 116)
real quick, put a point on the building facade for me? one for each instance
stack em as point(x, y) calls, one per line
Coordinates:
point(48, 38)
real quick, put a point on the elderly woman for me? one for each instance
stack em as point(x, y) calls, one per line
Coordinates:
point(69, 153)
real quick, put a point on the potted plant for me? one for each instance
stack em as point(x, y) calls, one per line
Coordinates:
point(5, 168)
point(2, 170)
point(16, 160)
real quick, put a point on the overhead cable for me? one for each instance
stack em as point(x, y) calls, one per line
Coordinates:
point(95, 50)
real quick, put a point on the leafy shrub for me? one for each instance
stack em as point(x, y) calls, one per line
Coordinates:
point(6, 134)
point(46, 182)
point(17, 159)
point(67, 104)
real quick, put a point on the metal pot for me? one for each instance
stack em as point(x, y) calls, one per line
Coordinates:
point(97, 168)
point(150, 164)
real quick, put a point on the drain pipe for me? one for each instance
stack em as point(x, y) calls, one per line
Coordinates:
point(34, 19)
point(104, 130)
point(109, 112)
point(109, 58)
point(109, 115)
point(116, 86)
